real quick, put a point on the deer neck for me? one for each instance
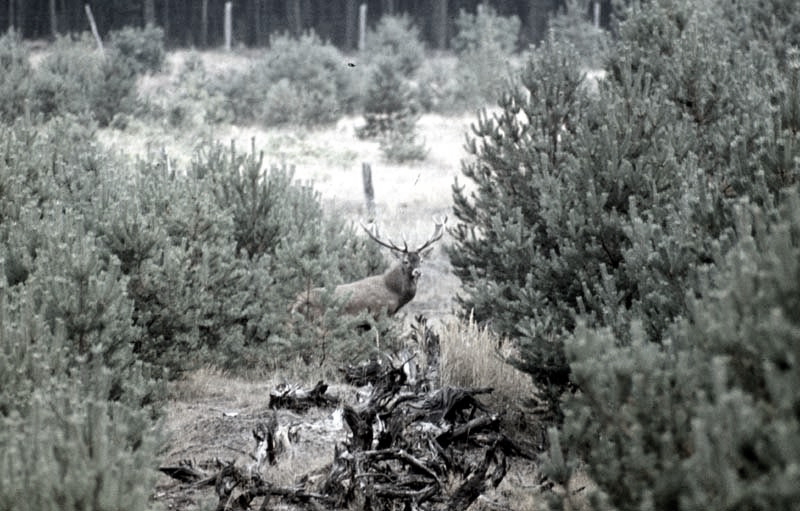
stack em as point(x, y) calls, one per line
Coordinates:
point(399, 283)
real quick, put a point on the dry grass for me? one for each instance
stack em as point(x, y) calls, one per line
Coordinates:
point(473, 356)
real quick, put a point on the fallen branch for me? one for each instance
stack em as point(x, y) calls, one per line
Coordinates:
point(298, 399)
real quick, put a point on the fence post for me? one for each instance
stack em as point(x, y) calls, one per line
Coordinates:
point(93, 25)
point(369, 192)
point(596, 13)
point(362, 27)
point(228, 25)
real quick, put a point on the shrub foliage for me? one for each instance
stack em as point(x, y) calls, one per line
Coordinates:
point(114, 276)
point(74, 78)
point(630, 238)
point(300, 81)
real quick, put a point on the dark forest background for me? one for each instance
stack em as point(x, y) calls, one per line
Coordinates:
point(200, 22)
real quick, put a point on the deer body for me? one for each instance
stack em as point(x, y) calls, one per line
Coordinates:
point(386, 293)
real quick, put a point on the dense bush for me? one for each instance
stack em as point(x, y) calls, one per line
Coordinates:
point(216, 256)
point(141, 48)
point(111, 273)
point(15, 75)
point(438, 88)
point(632, 240)
point(65, 79)
point(77, 406)
point(396, 39)
point(297, 81)
point(708, 420)
point(484, 43)
point(286, 245)
point(612, 206)
point(573, 26)
point(391, 112)
point(63, 445)
point(192, 99)
point(76, 79)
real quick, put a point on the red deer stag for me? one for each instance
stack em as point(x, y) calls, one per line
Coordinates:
point(378, 293)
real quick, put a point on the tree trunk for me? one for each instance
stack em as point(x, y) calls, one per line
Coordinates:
point(351, 24)
point(294, 19)
point(149, 12)
point(53, 19)
point(439, 24)
point(165, 21)
point(204, 23)
point(538, 12)
point(264, 23)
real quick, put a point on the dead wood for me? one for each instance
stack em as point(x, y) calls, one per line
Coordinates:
point(298, 399)
point(363, 374)
point(407, 449)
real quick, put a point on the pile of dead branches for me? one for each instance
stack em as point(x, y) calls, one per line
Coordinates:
point(438, 450)
point(409, 448)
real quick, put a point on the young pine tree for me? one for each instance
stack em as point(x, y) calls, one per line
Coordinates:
point(708, 419)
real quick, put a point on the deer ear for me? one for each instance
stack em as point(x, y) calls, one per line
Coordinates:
point(398, 255)
point(425, 253)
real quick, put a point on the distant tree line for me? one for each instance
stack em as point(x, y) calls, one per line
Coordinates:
point(200, 22)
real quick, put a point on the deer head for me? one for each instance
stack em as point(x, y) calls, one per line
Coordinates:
point(408, 260)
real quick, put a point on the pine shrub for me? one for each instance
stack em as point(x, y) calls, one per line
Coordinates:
point(484, 43)
point(396, 39)
point(215, 256)
point(389, 102)
point(15, 76)
point(78, 80)
point(300, 81)
point(391, 112)
point(708, 419)
point(78, 410)
point(141, 48)
point(195, 99)
point(403, 144)
point(65, 78)
point(611, 206)
point(573, 26)
point(286, 245)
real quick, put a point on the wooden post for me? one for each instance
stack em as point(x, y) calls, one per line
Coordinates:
point(362, 27)
point(369, 192)
point(228, 25)
point(204, 23)
point(596, 13)
point(93, 25)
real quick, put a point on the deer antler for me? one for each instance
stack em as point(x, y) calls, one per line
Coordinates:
point(388, 244)
point(438, 232)
point(436, 236)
